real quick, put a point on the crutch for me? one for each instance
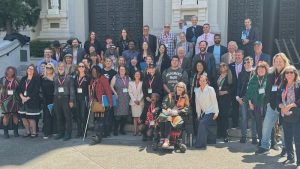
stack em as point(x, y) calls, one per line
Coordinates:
point(87, 121)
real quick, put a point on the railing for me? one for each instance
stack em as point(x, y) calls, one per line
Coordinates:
point(288, 47)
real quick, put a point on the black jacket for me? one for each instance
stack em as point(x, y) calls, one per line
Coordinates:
point(271, 96)
point(152, 43)
point(157, 85)
point(242, 83)
point(190, 33)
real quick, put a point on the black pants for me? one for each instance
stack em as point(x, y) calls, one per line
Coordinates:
point(165, 129)
point(81, 113)
point(63, 115)
point(99, 124)
point(235, 113)
point(259, 118)
point(222, 120)
point(109, 119)
point(119, 123)
point(49, 120)
point(291, 133)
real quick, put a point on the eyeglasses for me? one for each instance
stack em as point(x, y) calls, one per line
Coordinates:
point(81, 66)
point(247, 62)
point(289, 72)
point(222, 65)
point(180, 87)
point(49, 68)
point(166, 26)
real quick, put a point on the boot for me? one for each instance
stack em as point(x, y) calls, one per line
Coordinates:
point(67, 136)
point(116, 127)
point(122, 126)
point(16, 133)
point(6, 135)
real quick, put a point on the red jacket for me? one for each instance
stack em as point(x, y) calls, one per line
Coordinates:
point(101, 84)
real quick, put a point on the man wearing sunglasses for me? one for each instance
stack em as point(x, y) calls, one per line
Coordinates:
point(169, 40)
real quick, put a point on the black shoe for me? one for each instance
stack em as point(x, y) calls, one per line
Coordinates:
point(226, 140)
point(59, 136)
point(67, 137)
point(289, 161)
point(283, 152)
point(96, 140)
point(26, 135)
point(33, 135)
point(16, 133)
point(6, 135)
point(259, 143)
point(243, 140)
point(254, 141)
point(122, 132)
point(275, 147)
point(261, 151)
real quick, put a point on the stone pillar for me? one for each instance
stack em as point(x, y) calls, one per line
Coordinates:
point(158, 16)
point(223, 20)
point(168, 12)
point(213, 15)
point(148, 12)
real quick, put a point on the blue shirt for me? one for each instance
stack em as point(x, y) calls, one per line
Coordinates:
point(217, 54)
point(129, 54)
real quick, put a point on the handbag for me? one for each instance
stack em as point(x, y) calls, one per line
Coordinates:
point(97, 107)
point(294, 117)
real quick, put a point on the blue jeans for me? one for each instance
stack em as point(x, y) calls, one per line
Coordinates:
point(291, 132)
point(203, 131)
point(268, 124)
point(244, 112)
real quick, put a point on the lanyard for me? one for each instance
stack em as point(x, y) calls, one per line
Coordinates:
point(260, 82)
point(27, 82)
point(285, 93)
point(150, 82)
point(79, 81)
point(221, 81)
point(124, 81)
point(62, 82)
point(9, 86)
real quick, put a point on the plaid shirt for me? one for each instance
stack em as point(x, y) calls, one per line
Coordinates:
point(169, 40)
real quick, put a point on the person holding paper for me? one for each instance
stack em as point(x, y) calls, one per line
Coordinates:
point(119, 85)
point(256, 95)
point(47, 86)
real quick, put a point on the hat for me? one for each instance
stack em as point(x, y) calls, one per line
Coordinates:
point(68, 55)
point(151, 65)
point(56, 44)
point(257, 43)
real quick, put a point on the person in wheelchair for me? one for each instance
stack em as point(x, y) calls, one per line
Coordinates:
point(174, 107)
point(149, 116)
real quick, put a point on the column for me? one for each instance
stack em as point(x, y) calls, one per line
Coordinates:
point(158, 16)
point(223, 20)
point(148, 12)
point(213, 15)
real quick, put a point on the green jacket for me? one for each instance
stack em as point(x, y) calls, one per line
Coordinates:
point(259, 100)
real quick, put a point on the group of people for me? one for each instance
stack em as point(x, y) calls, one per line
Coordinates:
point(196, 75)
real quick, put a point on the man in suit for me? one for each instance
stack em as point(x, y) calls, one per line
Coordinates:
point(188, 46)
point(184, 62)
point(76, 51)
point(57, 51)
point(248, 37)
point(229, 57)
point(258, 55)
point(209, 59)
point(193, 32)
point(236, 68)
point(151, 39)
point(206, 36)
point(217, 49)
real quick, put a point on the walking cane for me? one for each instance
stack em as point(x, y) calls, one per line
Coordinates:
point(87, 121)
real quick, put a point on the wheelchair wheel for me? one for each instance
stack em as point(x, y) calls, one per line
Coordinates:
point(182, 148)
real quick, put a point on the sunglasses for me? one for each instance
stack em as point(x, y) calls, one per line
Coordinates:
point(81, 66)
point(49, 68)
point(289, 72)
point(166, 26)
point(222, 65)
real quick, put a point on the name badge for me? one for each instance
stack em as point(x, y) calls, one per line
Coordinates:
point(152, 123)
point(220, 88)
point(196, 89)
point(244, 36)
point(261, 91)
point(60, 90)
point(274, 88)
point(25, 93)
point(149, 91)
point(79, 90)
point(167, 45)
point(125, 90)
point(10, 92)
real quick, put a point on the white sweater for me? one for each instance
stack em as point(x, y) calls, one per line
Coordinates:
point(206, 100)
